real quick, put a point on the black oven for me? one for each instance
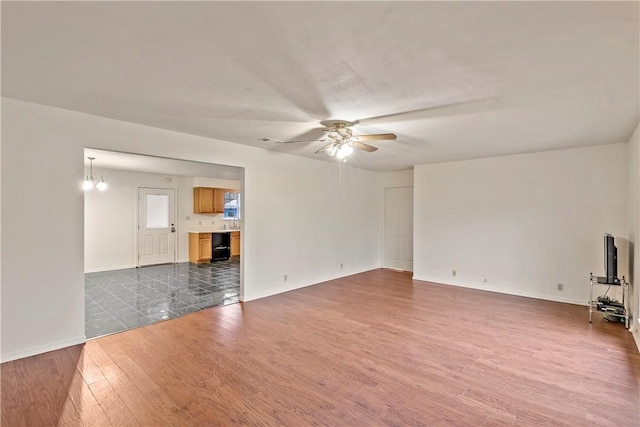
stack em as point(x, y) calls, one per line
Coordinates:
point(221, 246)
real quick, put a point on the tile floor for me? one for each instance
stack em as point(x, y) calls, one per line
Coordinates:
point(124, 299)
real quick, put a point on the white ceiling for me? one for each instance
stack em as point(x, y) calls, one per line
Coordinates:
point(484, 78)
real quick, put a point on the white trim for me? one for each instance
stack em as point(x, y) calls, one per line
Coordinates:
point(382, 219)
point(118, 267)
point(506, 292)
point(304, 284)
point(42, 349)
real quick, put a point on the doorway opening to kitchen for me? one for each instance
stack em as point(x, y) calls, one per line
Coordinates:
point(140, 266)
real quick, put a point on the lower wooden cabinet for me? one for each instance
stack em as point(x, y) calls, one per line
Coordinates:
point(200, 247)
point(235, 243)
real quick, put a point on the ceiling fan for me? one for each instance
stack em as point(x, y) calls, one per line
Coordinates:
point(341, 140)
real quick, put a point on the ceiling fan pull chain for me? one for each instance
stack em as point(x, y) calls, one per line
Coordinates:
point(340, 180)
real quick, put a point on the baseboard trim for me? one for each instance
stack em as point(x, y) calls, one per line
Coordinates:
point(635, 332)
point(507, 292)
point(125, 267)
point(306, 283)
point(42, 349)
point(113, 268)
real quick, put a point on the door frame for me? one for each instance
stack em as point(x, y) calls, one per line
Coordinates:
point(382, 222)
point(175, 215)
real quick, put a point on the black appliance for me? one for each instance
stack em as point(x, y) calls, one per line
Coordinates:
point(610, 262)
point(220, 246)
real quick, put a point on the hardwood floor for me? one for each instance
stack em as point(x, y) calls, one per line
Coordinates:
point(366, 350)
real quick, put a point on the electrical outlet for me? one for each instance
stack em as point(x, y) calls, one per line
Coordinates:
point(560, 287)
point(341, 266)
point(453, 272)
point(188, 218)
point(285, 277)
point(213, 223)
point(199, 222)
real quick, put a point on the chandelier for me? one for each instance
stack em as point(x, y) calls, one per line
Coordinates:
point(90, 182)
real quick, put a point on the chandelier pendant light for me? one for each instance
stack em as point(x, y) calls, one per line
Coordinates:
point(90, 182)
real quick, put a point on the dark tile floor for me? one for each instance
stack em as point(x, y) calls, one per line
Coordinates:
point(124, 299)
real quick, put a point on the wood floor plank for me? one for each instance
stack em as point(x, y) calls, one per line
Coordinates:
point(11, 411)
point(45, 398)
point(114, 408)
point(89, 410)
point(88, 368)
point(375, 348)
point(132, 394)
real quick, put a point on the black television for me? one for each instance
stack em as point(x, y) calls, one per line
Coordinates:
point(610, 259)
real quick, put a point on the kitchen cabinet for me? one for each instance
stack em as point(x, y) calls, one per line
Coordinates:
point(200, 249)
point(207, 200)
point(235, 243)
point(218, 200)
point(202, 200)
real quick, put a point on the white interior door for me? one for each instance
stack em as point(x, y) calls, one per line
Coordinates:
point(397, 250)
point(156, 226)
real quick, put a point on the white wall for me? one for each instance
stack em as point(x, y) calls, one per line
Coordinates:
point(111, 217)
point(395, 179)
point(201, 181)
point(296, 222)
point(633, 218)
point(524, 222)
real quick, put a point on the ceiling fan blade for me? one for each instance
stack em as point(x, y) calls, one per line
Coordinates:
point(374, 137)
point(311, 135)
point(362, 146)
point(302, 140)
point(324, 148)
point(452, 109)
point(277, 141)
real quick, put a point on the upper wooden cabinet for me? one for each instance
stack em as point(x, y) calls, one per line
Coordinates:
point(208, 200)
point(202, 200)
point(218, 200)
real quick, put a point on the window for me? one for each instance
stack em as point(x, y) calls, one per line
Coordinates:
point(231, 205)
point(157, 211)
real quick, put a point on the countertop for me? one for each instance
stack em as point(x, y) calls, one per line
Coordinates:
point(212, 231)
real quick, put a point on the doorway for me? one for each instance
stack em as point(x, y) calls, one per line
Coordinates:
point(156, 226)
point(137, 268)
point(397, 241)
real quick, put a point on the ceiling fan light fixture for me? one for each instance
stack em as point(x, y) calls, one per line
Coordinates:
point(339, 139)
point(344, 151)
